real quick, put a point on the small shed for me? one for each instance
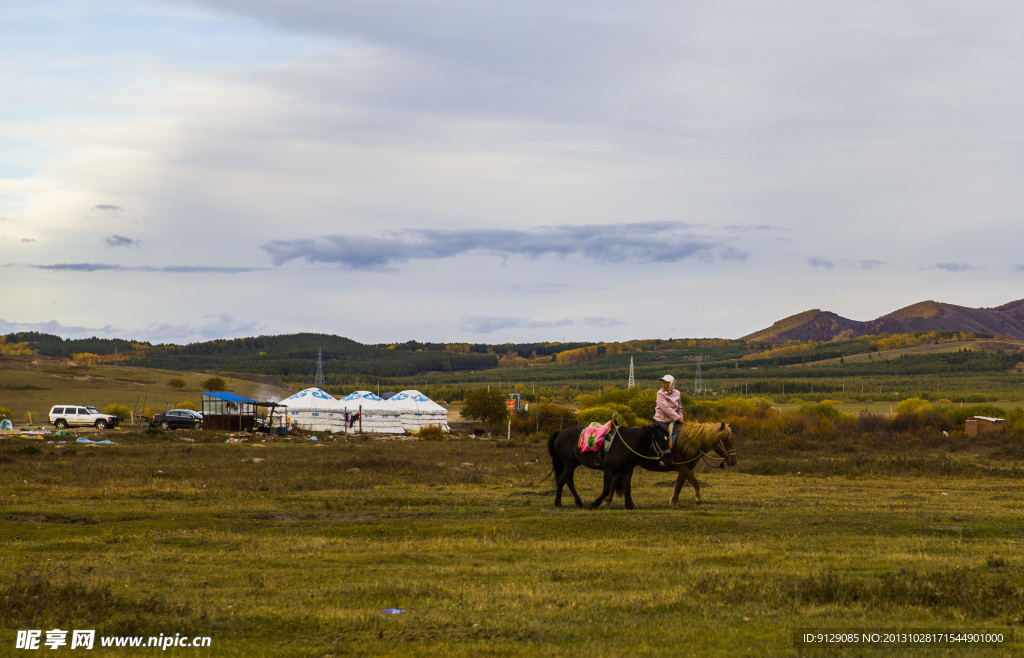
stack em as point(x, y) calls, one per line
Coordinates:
point(981, 424)
point(228, 412)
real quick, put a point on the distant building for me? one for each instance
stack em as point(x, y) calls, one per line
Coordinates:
point(981, 424)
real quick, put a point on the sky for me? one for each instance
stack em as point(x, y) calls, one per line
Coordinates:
point(508, 171)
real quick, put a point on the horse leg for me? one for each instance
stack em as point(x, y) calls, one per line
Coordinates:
point(608, 476)
point(569, 480)
point(627, 488)
point(616, 486)
point(685, 475)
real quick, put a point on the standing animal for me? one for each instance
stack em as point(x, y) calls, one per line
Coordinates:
point(695, 440)
point(630, 445)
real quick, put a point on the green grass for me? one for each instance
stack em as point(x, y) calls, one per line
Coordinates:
point(282, 548)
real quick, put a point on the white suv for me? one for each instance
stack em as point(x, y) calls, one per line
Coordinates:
point(65, 415)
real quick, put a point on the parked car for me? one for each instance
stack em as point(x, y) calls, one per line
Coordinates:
point(178, 419)
point(80, 415)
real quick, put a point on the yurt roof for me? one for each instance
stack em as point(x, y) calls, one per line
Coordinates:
point(413, 399)
point(367, 401)
point(310, 398)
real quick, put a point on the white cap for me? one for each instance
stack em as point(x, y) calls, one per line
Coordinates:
point(669, 378)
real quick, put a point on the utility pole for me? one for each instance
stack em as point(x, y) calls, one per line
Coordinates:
point(632, 382)
point(319, 380)
point(698, 381)
point(536, 403)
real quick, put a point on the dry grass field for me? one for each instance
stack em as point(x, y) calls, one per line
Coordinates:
point(292, 547)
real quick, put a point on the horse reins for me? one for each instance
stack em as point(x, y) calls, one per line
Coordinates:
point(661, 453)
point(728, 453)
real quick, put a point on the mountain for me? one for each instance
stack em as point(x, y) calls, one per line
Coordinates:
point(820, 326)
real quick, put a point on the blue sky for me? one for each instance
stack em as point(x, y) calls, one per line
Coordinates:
point(505, 171)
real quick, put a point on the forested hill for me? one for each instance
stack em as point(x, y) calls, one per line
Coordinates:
point(821, 326)
point(286, 355)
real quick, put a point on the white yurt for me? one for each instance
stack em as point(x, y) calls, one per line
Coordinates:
point(313, 409)
point(378, 415)
point(419, 411)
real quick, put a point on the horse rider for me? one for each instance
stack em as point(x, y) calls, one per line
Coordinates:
point(668, 408)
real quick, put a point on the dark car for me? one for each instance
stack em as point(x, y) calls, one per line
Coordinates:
point(178, 419)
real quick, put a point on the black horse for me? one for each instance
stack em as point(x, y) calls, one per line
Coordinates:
point(629, 446)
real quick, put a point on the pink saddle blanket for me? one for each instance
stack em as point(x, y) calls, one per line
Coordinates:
point(592, 437)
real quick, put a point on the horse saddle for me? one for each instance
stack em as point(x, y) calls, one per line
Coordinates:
point(593, 436)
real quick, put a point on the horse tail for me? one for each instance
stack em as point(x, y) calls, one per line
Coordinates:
point(556, 462)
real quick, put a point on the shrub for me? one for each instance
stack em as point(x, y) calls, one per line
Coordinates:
point(431, 433)
point(187, 405)
point(486, 406)
point(214, 384)
point(4, 411)
point(176, 383)
point(119, 410)
point(912, 405)
point(598, 415)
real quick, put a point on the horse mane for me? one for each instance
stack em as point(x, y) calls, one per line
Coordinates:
point(695, 438)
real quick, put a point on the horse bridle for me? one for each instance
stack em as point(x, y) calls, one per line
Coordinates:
point(728, 453)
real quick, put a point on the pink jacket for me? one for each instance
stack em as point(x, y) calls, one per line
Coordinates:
point(669, 406)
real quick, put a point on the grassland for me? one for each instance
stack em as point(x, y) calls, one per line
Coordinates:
point(29, 386)
point(294, 547)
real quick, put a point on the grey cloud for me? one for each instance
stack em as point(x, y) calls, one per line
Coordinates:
point(57, 329)
point(642, 242)
point(869, 264)
point(178, 269)
point(28, 239)
point(120, 241)
point(955, 267)
point(1019, 267)
point(601, 322)
point(490, 324)
point(108, 208)
point(211, 327)
point(817, 262)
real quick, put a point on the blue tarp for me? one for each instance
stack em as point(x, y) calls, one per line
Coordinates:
point(230, 397)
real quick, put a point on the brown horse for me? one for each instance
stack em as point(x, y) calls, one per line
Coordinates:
point(695, 440)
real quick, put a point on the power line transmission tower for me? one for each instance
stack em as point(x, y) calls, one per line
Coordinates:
point(632, 382)
point(698, 381)
point(319, 382)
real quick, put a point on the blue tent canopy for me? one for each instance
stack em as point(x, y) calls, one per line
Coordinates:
point(230, 397)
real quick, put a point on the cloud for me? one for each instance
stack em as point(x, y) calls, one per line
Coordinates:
point(55, 328)
point(601, 322)
point(178, 269)
point(817, 262)
point(642, 242)
point(108, 208)
point(955, 267)
point(491, 324)
point(208, 328)
point(121, 241)
point(28, 239)
point(868, 264)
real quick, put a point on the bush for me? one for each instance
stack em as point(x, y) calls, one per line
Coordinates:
point(187, 405)
point(486, 406)
point(4, 411)
point(214, 384)
point(912, 405)
point(431, 433)
point(119, 410)
point(597, 415)
point(176, 383)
